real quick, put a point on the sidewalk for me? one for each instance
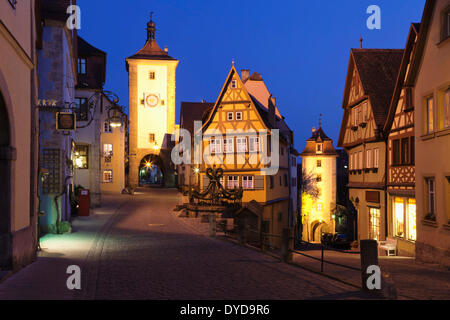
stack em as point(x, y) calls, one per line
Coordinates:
point(59, 252)
point(412, 280)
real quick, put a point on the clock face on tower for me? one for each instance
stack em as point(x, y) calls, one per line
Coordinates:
point(151, 100)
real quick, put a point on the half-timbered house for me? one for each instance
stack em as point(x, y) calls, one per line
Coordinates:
point(371, 79)
point(232, 140)
point(399, 128)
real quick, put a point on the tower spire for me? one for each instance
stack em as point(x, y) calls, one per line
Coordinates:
point(151, 29)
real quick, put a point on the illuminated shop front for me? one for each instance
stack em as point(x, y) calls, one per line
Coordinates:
point(404, 218)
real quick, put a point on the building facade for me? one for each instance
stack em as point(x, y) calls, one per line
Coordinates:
point(19, 39)
point(90, 103)
point(399, 128)
point(319, 197)
point(57, 81)
point(232, 141)
point(371, 78)
point(431, 62)
point(151, 112)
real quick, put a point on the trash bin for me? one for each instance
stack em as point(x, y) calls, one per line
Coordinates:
point(84, 203)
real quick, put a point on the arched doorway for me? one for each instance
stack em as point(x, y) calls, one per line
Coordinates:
point(151, 171)
point(5, 188)
point(317, 227)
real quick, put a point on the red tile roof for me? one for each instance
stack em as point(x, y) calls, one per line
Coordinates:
point(378, 70)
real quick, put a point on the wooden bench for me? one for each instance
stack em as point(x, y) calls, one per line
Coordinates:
point(390, 245)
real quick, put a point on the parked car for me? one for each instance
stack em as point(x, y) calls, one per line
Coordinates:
point(341, 241)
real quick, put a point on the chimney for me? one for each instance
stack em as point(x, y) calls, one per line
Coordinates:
point(271, 104)
point(314, 130)
point(245, 74)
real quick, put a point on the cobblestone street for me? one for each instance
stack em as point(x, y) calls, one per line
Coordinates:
point(135, 247)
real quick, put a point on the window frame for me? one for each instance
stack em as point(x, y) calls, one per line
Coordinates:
point(429, 128)
point(82, 62)
point(447, 108)
point(239, 145)
point(108, 153)
point(254, 141)
point(248, 182)
point(83, 152)
point(107, 127)
point(111, 176)
point(234, 179)
point(238, 116)
point(230, 118)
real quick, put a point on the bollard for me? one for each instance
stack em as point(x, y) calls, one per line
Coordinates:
point(286, 254)
point(369, 257)
point(212, 224)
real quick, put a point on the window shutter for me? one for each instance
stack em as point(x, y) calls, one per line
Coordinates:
point(259, 182)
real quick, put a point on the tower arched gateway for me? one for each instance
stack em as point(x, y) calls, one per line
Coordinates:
point(152, 107)
point(5, 188)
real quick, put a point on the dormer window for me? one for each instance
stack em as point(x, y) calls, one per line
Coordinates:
point(319, 148)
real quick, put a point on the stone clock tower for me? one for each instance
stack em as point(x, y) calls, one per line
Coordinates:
point(151, 81)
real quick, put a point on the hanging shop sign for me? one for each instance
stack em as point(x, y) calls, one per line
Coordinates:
point(65, 121)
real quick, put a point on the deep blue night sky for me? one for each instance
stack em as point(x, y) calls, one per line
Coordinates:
point(301, 48)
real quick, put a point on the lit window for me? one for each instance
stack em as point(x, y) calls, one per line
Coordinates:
point(374, 221)
point(106, 127)
point(233, 182)
point(108, 150)
point(228, 145)
point(107, 176)
point(447, 109)
point(241, 145)
point(233, 84)
point(239, 116)
point(81, 65)
point(319, 163)
point(430, 120)
point(247, 182)
point(404, 216)
point(82, 157)
point(151, 75)
point(254, 144)
point(230, 116)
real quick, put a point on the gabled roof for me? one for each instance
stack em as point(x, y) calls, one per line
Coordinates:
point(193, 111)
point(86, 49)
point(407, 56)
point(421, 41)
point(378, 71)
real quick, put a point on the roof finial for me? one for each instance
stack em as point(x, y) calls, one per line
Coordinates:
point(361, 42)
point(151, 30)
point(320, 121)
point(232, 62)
